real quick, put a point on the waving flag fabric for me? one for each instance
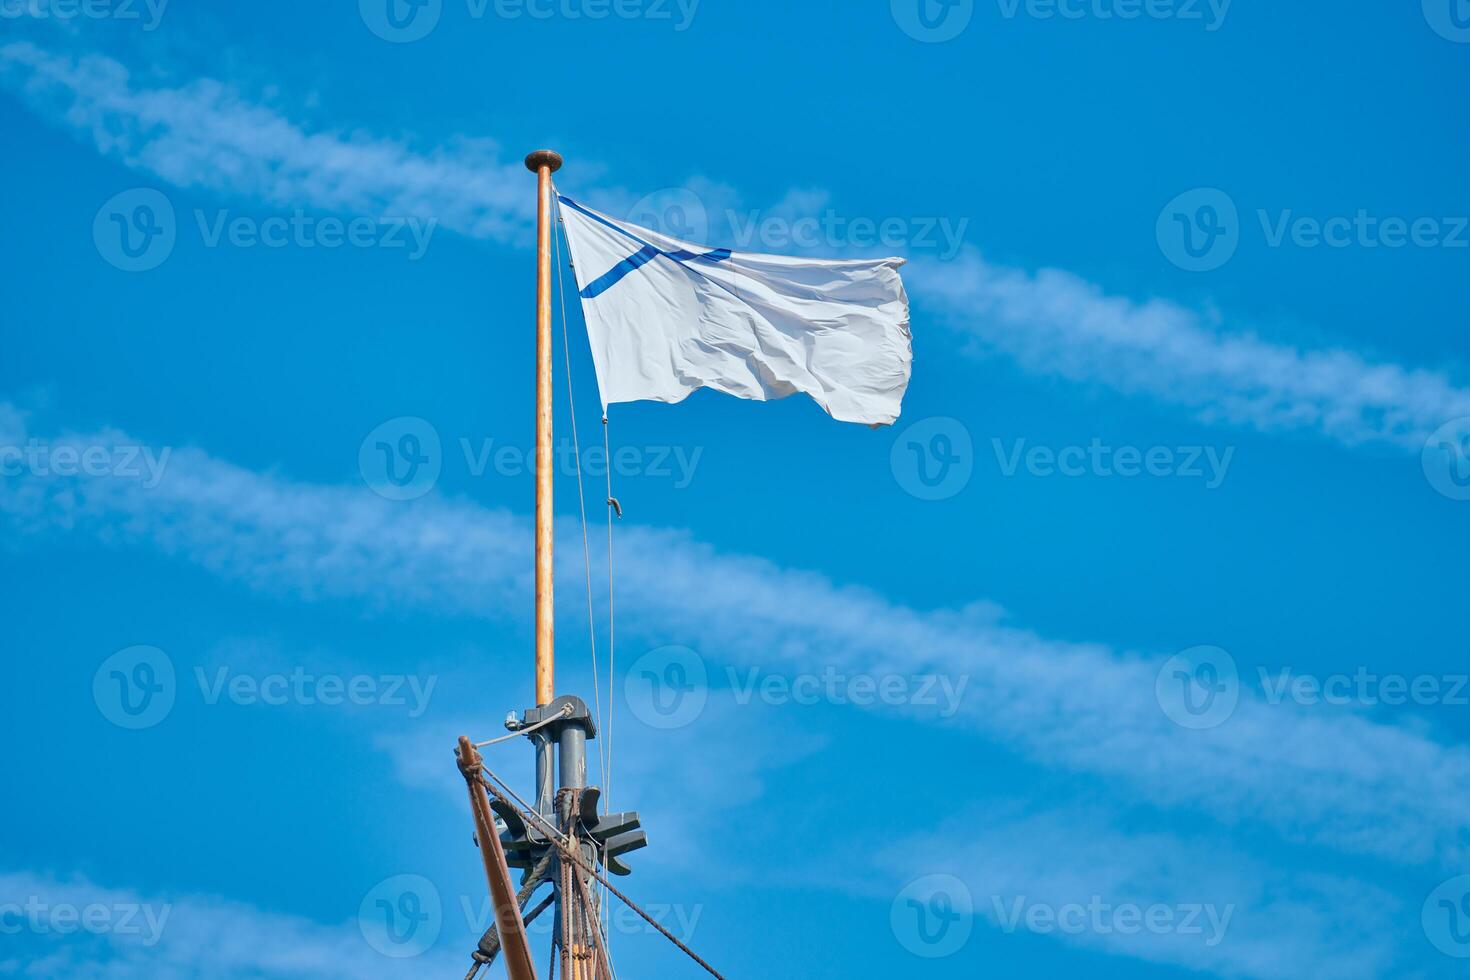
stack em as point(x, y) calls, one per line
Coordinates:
point(667, 317)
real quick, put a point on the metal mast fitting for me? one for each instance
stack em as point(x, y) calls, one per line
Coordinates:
point(564, 725)
point(569, 728)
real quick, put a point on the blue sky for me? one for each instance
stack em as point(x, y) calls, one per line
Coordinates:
point(1221, 248)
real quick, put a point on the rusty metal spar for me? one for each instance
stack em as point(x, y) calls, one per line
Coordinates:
point(513, 939)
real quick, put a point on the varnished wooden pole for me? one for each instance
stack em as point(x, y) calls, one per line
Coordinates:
point(544, 163)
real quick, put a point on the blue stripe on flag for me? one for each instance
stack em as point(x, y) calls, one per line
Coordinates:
point(615, 275)
point(638, 259)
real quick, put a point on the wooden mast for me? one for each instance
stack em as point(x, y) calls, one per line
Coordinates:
point(580, 958)
point(581, 942)
point(544, 163)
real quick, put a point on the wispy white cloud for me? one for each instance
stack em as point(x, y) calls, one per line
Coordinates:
point(1054, 322)
point(157, 937)
point(204, 133)
point(1064, 875)
point(1337, 780)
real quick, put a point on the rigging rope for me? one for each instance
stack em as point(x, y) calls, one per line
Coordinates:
point(566, 348)
point(571, 852)
point(604, 748)
point(566, 710)
point(613, 508)
point(538, 876)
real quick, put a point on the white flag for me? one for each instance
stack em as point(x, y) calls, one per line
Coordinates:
point(666, 317)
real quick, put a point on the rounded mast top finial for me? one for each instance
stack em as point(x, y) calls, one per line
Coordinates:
point(543, 158)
